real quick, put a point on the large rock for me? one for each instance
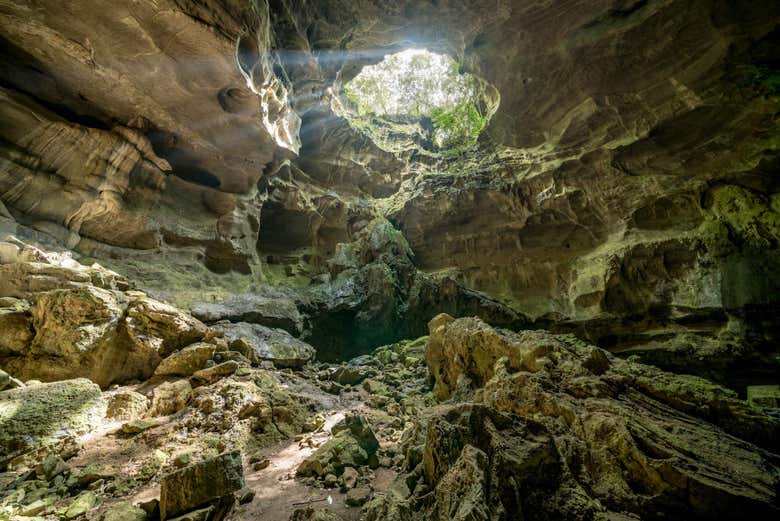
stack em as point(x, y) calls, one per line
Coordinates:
point(60, 319)
point(352, 444)
point(161, 327)
point(199, 484)
point(274, 310)
point(170, 397)
point(638, 428)
point(263, 343)
point(34, 416)
point(186, 361)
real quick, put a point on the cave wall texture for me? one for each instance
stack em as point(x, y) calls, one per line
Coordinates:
point(626, 189)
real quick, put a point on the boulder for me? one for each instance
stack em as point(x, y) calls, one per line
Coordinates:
point(352, 444)
point(31, 417)
point(126, 405)
point(267, 344)
point(138, 426)
point(274, 311)
point(161, 327)
point(194, 486)
point(87, 331)
point(170, 397)
point(78, 328)
point(186, 361)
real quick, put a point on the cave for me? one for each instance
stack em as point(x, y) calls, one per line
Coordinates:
point(424, 260)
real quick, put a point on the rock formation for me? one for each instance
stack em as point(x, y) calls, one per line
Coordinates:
point(227, 226)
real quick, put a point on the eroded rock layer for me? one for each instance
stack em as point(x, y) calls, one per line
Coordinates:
point(217, 266)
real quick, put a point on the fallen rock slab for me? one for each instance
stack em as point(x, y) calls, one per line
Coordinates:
point(267, 344)
point(194, 486)
point(186, 361)
point(270, 311)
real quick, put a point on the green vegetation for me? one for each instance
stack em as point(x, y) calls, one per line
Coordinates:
point(458, 127)
point(418, 100)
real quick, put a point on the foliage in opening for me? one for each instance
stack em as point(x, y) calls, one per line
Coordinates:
point(423, 89)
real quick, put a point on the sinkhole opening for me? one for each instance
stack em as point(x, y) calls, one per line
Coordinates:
point(417, 99)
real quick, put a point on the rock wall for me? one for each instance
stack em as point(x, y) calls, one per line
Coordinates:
point(624, 190)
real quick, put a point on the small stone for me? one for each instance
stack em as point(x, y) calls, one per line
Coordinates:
point(245, 495)
point(260, 465)
point(93, 472)
point(358, 496)
point(186, 361)
point(313, 423)
point(50, 467)
point(243, 371)
point(151, 507)
point(212, 374)
point(126, 405)
point(37, 506)
point(170, 397)
point(597, 361)
point(330, 481)
point(152, 465)
point(349, 478)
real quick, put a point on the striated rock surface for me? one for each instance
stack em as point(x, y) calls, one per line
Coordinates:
point(199, 147)
point(621, 205)
point(562, 427)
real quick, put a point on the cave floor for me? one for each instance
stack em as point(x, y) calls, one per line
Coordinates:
point(278, 493)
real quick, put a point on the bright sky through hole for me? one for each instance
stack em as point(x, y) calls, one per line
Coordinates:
point(413, 82)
